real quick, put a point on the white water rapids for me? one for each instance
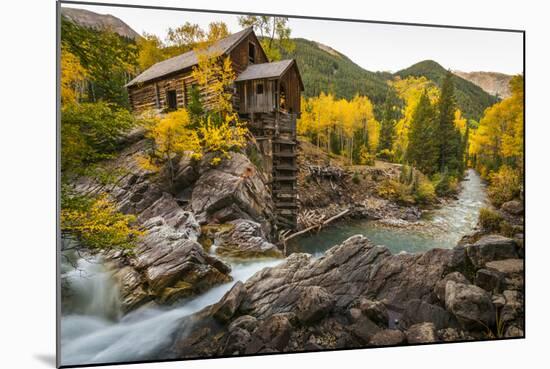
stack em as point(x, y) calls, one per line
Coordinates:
point(95, 331)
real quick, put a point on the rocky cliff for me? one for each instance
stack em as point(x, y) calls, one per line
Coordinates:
point(497, 84)
point(228, 205)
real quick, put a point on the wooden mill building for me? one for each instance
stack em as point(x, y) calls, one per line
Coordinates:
point(266, 96)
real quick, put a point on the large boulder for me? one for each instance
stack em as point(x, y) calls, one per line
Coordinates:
point(442, 284)
point(470, 304)
point(489, 280)
point(168, 263)
point(237, 341)
point(354, 268)
point(234, 189)
point(363, 329)
point(510, 272)
point(491, 247)
point(418, 311)
point(186, 173)
point(513, 207)
point(173, 264)
point(175, 221)
point(374, 310)
point(244, 239)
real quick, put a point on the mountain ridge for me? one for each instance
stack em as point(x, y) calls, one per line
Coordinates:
point(471, 98)
point(325, 69)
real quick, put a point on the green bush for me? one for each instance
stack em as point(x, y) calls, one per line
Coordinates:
point(355, 178)
point(396, 191)
point(505, 185)
point(90, 132)
point(490, 220)
point(445, 184)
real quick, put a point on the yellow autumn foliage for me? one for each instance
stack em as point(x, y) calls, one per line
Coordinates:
point(98, 224)
point(172, 135)
point(215, 74)
point(73, 77)
point(222, 138)
point(340, 126)
point(499, 138)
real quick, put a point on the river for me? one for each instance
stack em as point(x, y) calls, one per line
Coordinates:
point(93, 330)
point(442, 227)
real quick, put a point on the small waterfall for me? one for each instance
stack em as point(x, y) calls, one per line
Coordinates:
point(90, 289)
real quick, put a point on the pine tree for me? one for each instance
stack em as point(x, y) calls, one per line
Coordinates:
point(422, 149)
point(195, 107)
point(387, 126)
point(448, 136)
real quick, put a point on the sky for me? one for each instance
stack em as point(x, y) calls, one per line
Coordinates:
point(374, 47)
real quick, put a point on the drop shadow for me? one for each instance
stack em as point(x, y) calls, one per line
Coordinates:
point(48, 359)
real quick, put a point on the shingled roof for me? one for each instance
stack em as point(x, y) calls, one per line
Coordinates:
point(188, 59)
point(267, 70)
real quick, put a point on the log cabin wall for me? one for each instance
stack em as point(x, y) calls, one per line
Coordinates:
point(145, 97)
point(290, 83)
point(240, 57)
point(152, 95)
point(257, 96)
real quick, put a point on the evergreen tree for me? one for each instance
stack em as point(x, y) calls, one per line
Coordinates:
point(449, 139)
point(422, 148)
point(387, 125)
point(195, 107)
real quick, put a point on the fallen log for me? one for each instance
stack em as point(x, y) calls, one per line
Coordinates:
point(315, 226)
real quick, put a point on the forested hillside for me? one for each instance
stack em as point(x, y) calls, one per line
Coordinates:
point(326, 70)
point(107, 60)
point(471, 99)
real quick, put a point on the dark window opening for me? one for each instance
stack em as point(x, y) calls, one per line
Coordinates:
point(282, 98)
point(251, 53)
point(259, 89)
point(171, 99)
